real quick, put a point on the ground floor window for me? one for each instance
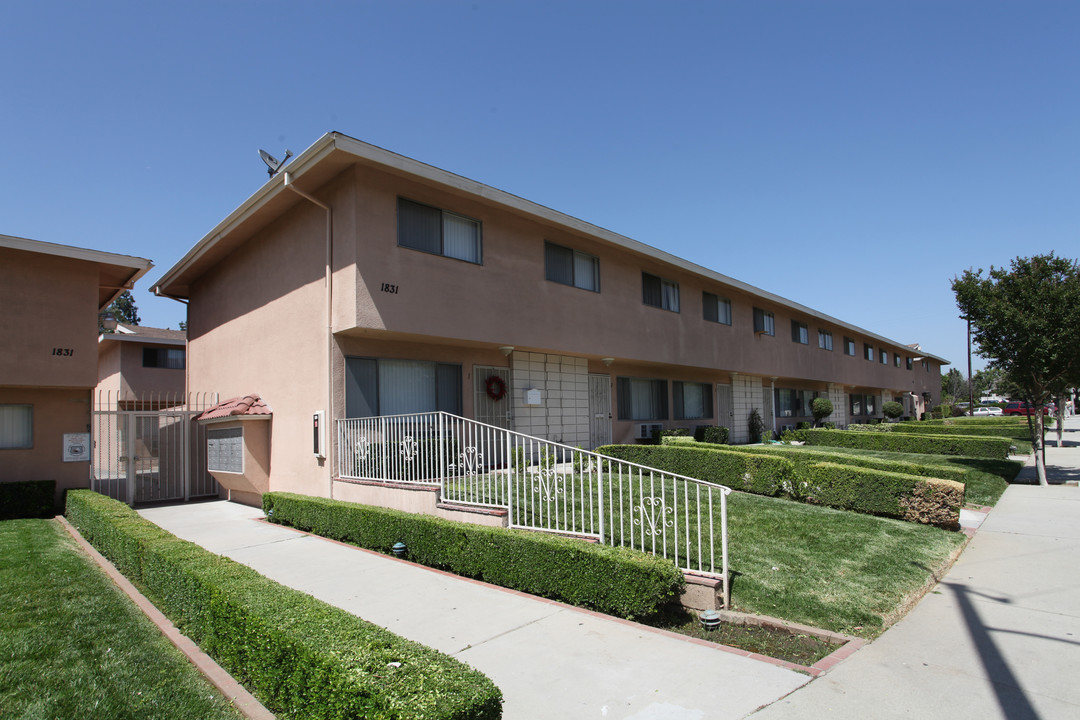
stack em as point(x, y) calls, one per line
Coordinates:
point(794, 403)
point(693, 401)
point(862, 404)
point(381, 386)
point(642, 398)
point(16, 427)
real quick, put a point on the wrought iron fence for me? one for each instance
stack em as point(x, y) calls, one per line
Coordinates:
point(544, 485)
point(148, 448)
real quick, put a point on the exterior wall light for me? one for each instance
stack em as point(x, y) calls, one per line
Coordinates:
point(506, 350)
point(108, 321)
point(607, 361)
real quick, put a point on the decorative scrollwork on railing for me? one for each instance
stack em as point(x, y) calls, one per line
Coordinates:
point(653, 515)
point(470, 461)
point(548, 482)
point(409, 449)
point(362, 447)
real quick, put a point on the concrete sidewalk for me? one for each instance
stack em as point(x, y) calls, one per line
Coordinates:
point(999, 637)
point(550, 660)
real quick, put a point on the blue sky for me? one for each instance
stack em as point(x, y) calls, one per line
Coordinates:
point(852, 156)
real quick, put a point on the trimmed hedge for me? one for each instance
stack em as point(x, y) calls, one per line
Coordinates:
point(808, 455)
point(27, 499)
point(929, 501)
point(894, 489)
point(968, 445)
point(1019, 432)
point(613, 580)
point(300, 656)
point(757, 474)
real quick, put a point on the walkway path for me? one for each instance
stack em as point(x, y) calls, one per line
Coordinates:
point(1000, 635)
point(549, 659)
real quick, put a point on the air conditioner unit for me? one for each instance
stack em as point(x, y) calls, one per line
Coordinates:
point(645, 430)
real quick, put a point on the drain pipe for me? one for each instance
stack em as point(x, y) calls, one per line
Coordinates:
point(329, 293)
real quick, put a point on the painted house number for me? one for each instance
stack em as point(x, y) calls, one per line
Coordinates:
point(63, 352)
point(388, 288)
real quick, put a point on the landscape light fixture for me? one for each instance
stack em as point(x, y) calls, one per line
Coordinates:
point(710, 619)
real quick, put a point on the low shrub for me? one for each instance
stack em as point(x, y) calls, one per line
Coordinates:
point(929, 501)
point(758, 474)
point(715, 434)
point(613, 580)
point(300, 656)
point(969, 445)
point(27, 499)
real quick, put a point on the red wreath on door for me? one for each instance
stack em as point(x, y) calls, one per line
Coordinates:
point(496, 388)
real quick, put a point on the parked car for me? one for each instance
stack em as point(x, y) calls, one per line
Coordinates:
point(986, 411)
point(1023, 408)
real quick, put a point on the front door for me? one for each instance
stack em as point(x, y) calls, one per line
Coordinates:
point(599, 411)
point(492, 397)
point(725, 415)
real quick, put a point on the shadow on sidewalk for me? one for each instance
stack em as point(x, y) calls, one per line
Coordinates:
point(1011, 698)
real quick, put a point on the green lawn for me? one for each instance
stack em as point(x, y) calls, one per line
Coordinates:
point(832, 569)
point(985, 481)
point(73, 646)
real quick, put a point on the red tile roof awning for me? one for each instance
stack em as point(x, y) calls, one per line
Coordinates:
point(238, 407)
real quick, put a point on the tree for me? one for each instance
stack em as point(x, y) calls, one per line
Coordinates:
point(987, 381)
point(1026, 320)
point(953, 386)
point(821, 408)
point(892, 409)
point(124, 310)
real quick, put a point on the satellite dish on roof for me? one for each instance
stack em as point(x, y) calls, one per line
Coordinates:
point(272, 163)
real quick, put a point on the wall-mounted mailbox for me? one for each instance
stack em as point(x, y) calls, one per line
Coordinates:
point(532, 398)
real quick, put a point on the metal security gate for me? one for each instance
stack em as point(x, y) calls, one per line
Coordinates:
point(599, 411)
point(150, 449)
point(725, 416)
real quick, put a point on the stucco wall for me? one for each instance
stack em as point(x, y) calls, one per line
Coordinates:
point(55, 412)
point(49, 322)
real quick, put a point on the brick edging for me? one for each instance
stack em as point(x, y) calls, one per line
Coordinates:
point(241, 699)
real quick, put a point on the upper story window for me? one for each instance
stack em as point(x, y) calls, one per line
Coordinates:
point(884, 357)
point(171, 358)
point(642, 398)
point(800, 333)
point(660, 292)
point(717, 309)
point(909, 363)
point(422, 227)
point(868, 351)
point(896, 359)
point(571, 267)
point(16, 427)
point(824, 339)
point(849, 347)
point(764, 322)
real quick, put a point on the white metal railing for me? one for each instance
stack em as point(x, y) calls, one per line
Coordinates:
point(544, 485)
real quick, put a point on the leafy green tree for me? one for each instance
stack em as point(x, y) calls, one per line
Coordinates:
point(1026, 320)
point(953, 386)
point(987, 381)
point(821, 409)
point(124, 310)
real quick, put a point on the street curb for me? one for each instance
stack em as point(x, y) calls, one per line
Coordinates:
point(241, 699)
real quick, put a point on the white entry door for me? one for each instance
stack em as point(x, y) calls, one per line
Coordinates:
point(599, 410)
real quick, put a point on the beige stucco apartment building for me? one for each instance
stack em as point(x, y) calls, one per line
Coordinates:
point(50, 298)
point(141, 367)
point(360, 282)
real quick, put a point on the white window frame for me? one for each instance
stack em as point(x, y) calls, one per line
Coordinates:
point(578, 278)
point(824, 339)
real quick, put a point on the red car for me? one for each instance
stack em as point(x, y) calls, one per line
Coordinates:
point(1023, 408)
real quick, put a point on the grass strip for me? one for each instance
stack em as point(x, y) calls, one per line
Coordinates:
point(73, 646)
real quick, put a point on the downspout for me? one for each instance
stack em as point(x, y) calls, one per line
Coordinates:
point(329, 421)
